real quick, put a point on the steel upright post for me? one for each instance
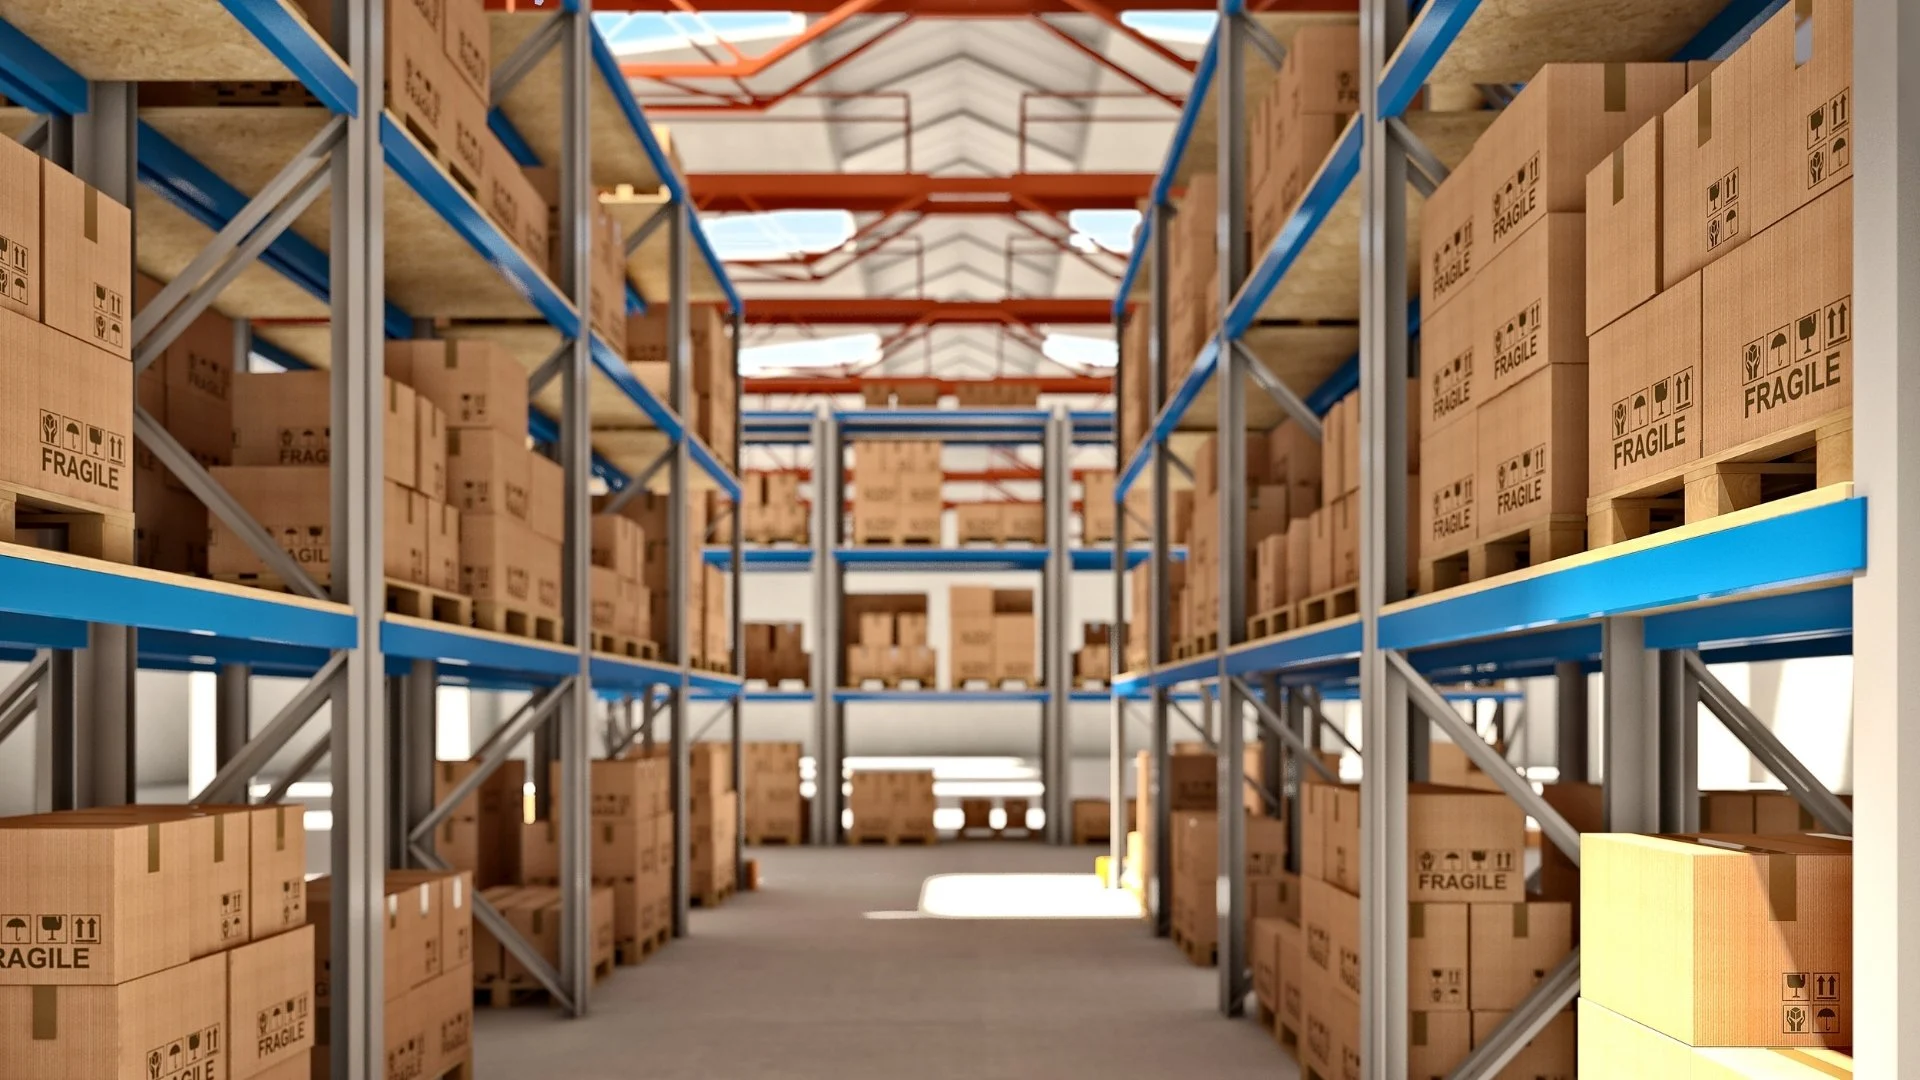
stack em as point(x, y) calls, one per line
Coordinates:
point(359, 752)
point(1886, 599)
point(1053, 631)
point(1679, 740)
point(1630, 765)
point(414, 699)
point(1231, 481)
point(573, 720)
point(736, 611)
point(1117, 635)
point(1382, 539)
point(1159, 888)
point(826, 531)
point(1571, 721)
point(683, 551)
point(232, 710)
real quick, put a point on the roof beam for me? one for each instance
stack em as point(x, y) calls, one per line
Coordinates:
point(869, 311)
point(939, 9)
point(851, 384)
point(867, 193)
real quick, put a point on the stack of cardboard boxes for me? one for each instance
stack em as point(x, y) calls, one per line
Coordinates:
point(713, 394)
point(1477, 943)
point(438, 67)
point(896, 492)
point(482, 835)
point(1503, 404)
point(1295, 125)
point(1140, 601)
point(991, 393)
point(773, 509)
point(993, 636)
point(156, 941)
point(188, 391)
point(1093, 660)
point(428, 972)
point(1718, 287)
point(771, 806)
point(1000, 523)
point(709, 633)
point(630, 852)
point(1271, 890)
point(66, 322)
point(1134, 342)
point(886, 640)
point(621, 606)
point(1269, 509)
point(534, 912)
point(892, 807)
point(775, 653)
point(713, 825)
point(1725, 955)
point(908, 393)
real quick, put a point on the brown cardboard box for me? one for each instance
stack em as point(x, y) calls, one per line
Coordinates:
point(197, 373)
point(86, 242)
point(112, 1032)
point(405, 533)
point(1299, 560)
point(277, 858)
point(293, 503)
point(1331, 1040)
point(269, 995)
point(1436, 1042)
point(489, 472)
point(1514, 947)
point(93, 901)
point(1612, 1047)
point(1449, 766)
point(1270, 573)
point(21, 286)
point(476, 383)
point(1192, 782)
point(1013, 646)
point(1343, 528)
point(618, 544)
point(1319, 551)
point(1535, 157)
point(1643, 405)
point(546, 497)
point(511, 197)
point(468, 146)
point(1263, 950)
point(1330, 921)
point(1448, 339)
point(1552, 1053)
point(1584, 807)
point(443, 546)
point(1721, 941)
point(68, 412)
point(1533, 456)
point(1438, 956)
point(1333, 449)
point(1708, 179)
point(1450, 514)
point(285, 418)
point(217, 871)
point(1291, 958)
point(293, 1067)
point(469, 47)
point(1527, 305)
point(1778, 325)
point(543, 564)
point(1802, 87)
point(1623, 228)
point(1450, 221)
point(497, 553)
point(430, 450)
point(1464, 845)
point(1330, 835)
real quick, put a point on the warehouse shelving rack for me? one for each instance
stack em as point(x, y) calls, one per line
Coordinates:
point(826, 432)
point(1784, 579)
point(323, 284)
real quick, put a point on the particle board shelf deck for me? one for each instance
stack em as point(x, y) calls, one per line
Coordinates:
point(533, 106)
point(650, 265)
point(1302, 356)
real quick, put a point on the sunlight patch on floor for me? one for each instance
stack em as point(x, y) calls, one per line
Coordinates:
point(1022, 896)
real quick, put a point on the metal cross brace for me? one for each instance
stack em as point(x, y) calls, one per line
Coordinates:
point(1263, 40)
point(1316, 706)
point(503, 931)
point(1279, 392)
point(1272, 722)
point(307, 763)
point(1424, 697)
point(1548, 999)
point(229, 785)
point(550, 368)
point(1426, 164)
point(18, 700)
point(648, 227)
point(1765, 746)
point(1205, 735)
point(498, 748)
point(525, 57)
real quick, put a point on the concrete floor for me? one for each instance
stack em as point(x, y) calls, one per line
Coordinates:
point(800, 980)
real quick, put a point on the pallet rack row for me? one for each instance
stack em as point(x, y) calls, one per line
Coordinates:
point(1776, 581)
point(327, 229)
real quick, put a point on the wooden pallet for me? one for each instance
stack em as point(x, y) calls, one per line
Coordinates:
point(1332, 604)
point(512, 619)
point(895, 684)
point(719, 667)
point(620, 645)
point(506, 993)
point(892, 839)
point(633, 951)
point(779, 839)
point(777, 684)
point(1801, 458)
point(1552, 537)
point(896, 541)
point(1201, 954)
point(427, 602)
point(1202, 644)
point(42, 519)
point(1269, 623)
point(992, 684)
point(711, 898)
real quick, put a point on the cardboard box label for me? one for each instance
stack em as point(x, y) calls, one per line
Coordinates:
point(16, 260)
point(1795, 359)
point(191, 1055)
point(80, 452)
point(1452, 260)
point(1653, 419)
point(1515, 199)
point(1516, 342)
point(1723, 209)
point(1465, 871)
point(49, 941)
point(1829, 139)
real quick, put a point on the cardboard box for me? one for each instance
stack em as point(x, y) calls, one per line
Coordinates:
point(1584, 807)
point(1612, 1047)
point(285, 418)
point(1330, 925)
point(1535, 157)
point(63, 1032)
point(1528, 304)
point(1778, 325)
point(1448, 338)
point(1643, 405)
point(1802, 87)
point(1707, 176)
point(1330, 835)
point(1291, 958)
point(1319, 551)
point(1343, 535)
point(476, 383)
point(1623, 228)
point(511, 197)
point(1450, 222)
point(1552, 1053)
point(497, 553)
point(443, 546)
point(1333, 449)
point(86, 242)
point(489, 472)
point(196, 373)
point(1270, 573)
point(270, 1010)
point(405, 534)
point(430, 450)
point(1533, 456)
point(93, 901)
point(1464, 845)
point(1450, 512)
point(468, 146)
point(1438, 953)
point(546, 497)
point(219, 916)
point(1514, 947)
point(1263, 950)
point(1330, 1044)
point(469, 47)
point(619, 544)
point(1721, 941)
point(1299, 558)
point(68, 411)
point(21, 285)
point(1436, 1042)
point(1449, 766)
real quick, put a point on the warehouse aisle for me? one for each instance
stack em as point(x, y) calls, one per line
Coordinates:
point(827, 973)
